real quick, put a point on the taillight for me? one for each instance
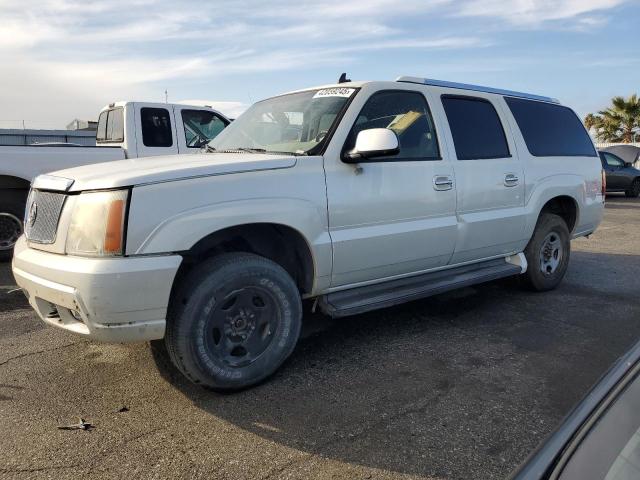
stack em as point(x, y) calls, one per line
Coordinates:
point(604, 183)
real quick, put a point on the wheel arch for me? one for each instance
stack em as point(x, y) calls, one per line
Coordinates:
point(566, 207)
point(280, 243)
point(12, 182)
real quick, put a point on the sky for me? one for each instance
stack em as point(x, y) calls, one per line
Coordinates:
point(66, 59)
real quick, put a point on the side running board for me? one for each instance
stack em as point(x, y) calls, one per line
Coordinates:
point(394, 292)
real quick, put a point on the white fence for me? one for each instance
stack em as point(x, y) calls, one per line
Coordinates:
point(605, 145)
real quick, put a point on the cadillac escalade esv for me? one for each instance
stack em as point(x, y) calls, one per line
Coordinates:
point(358, 195)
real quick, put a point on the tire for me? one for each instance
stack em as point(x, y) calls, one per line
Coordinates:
point(233, 321)
point(634, 189)
point(547, 253)
point(12, 205)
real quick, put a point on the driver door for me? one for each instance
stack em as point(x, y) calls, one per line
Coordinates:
point(393, 215)
point(196, 127)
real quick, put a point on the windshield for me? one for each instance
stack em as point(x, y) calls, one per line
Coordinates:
point(295, 123)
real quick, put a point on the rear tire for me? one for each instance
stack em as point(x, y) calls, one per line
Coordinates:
point(634, 189)
point(233, 321)
point(12, 205)
point(547, 253)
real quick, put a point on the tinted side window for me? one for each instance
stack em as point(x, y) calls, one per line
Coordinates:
point(156, 127)
point(408, 115)
point(476, 128)
point(550, 130)
point(200, 126)
point(613, 161)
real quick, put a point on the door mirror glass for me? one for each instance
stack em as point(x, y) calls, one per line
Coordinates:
point(375, 142)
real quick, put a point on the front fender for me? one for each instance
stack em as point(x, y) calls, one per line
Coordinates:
point(181, 231)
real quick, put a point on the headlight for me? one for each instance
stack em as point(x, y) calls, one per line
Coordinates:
point(97, 224)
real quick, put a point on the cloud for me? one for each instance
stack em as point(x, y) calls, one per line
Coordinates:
point(536, 12)
point(70, 57)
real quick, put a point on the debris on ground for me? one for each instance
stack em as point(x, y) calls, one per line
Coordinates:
point(81, 425)
point(122, 409)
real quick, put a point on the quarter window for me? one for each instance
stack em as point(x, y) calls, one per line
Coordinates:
point(156, 127)
point(200, 126)
point(405, 113)
point(551, 130)
point(476, 128)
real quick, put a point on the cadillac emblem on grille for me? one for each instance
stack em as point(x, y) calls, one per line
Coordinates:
point(33, 213)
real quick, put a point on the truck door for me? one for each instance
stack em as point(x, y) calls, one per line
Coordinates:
point(392, 215)
point(614, 168)
point(489, 176)
point(155, 131)
point(196, 127)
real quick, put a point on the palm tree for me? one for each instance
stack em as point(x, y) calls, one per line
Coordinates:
point(618, 122)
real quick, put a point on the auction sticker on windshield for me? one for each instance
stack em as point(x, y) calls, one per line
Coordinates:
point(334, 92)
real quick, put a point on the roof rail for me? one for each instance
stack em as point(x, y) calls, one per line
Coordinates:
point(475, 88)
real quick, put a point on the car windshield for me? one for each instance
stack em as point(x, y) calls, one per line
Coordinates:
point(296, 123)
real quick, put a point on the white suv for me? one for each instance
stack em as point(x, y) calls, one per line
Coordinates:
point(359, 195)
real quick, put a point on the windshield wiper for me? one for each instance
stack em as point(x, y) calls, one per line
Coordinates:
point(207, 148)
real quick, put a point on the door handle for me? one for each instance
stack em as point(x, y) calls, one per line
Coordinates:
point(442, 182)
point(511, 180)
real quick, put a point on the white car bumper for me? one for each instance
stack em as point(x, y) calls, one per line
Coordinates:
point(106, 299)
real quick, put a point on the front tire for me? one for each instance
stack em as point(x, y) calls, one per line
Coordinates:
point(547, 253)
point(12, 205)
point(233, 321)
point(634, 189)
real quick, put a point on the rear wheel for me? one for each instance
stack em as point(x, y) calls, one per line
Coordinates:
point(233, 321)
point(547, 253)
point(12, 204)
point(634, 189)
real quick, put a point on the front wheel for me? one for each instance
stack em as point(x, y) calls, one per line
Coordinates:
point(233, 321)
point(12, 204)
point(547, 253)
point(634, 189)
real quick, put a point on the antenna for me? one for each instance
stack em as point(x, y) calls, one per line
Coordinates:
point(166, 96)
point(343, 78)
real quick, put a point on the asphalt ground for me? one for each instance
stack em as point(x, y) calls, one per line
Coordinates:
point(463, 385)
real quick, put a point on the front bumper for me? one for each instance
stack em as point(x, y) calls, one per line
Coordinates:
point(106, 299)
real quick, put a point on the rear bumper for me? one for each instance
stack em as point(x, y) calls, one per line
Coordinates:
point(106, 299)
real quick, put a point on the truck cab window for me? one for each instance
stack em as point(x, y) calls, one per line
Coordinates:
point(111, 126)
point(200, 126)
point(405, 113)
point(156, 127)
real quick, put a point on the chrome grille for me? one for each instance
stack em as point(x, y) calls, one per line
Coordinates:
point(42, 215)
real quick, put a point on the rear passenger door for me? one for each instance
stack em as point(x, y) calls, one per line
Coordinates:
point(489, 176)
point(155, 131)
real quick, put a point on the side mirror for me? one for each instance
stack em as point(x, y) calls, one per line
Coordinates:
point(628, 164)
point(375, 142)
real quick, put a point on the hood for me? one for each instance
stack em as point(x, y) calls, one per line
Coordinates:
point(137, 171)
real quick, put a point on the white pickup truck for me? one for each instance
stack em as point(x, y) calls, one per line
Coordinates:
point(356, 196)
point(125, 130)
